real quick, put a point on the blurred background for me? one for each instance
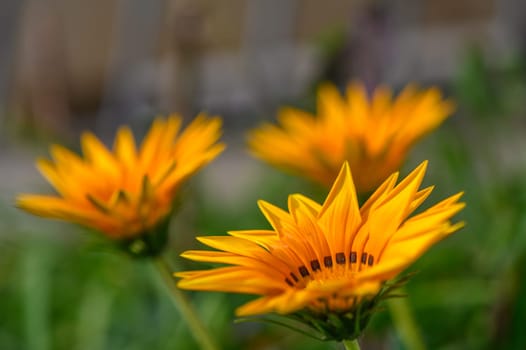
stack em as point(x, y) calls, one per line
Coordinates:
point(72, 65)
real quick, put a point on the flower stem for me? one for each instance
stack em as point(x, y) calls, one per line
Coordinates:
point(182, 304)
point(405, 324)
point(351, 344)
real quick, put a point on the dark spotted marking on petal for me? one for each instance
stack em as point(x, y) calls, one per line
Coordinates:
point(370, 262)
point(303, 271)
point(294, 277)
point(353, 257)
point(327, 261)
point(289, 282)
point(364, 258)
point(315, 264)
point(340, 258)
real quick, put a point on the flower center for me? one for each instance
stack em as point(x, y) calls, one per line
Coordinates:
point(331, 267)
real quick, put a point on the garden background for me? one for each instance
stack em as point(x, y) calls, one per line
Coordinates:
point(67, 66)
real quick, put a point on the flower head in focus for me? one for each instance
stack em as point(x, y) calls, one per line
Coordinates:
point(127, 191)
point(328, 264)
point(374, 135)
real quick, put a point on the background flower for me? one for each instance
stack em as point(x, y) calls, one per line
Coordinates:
point(125, 192)
point(373, 134)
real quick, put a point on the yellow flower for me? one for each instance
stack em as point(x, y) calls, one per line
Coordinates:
point(125, 192)
point(373, 136)
point(326, 259)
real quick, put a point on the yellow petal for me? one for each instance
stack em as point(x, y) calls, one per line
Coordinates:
point(124, 147)
point(340, 215)
point(98, 155)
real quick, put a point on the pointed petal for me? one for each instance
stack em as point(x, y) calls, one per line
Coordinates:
point(231, 279)
point(385, 219)
point(124, 147)
point(98, 155)
point(277, 217)
point(233, 245)
point(340, 215)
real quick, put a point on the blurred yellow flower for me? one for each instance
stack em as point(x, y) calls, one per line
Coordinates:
point(125, 191)
point(326, 260)
point(373, 136)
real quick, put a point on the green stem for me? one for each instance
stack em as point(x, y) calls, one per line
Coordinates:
point(182, 303)
point(351, 344)
point(36, 279)
point(94, 317)
point(405, 324)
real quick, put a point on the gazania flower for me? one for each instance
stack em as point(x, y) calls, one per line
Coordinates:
point(374, 135)
point(327, 264)
point(125, 192)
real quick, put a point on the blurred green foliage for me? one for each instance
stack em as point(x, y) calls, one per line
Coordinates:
point(61, 288)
